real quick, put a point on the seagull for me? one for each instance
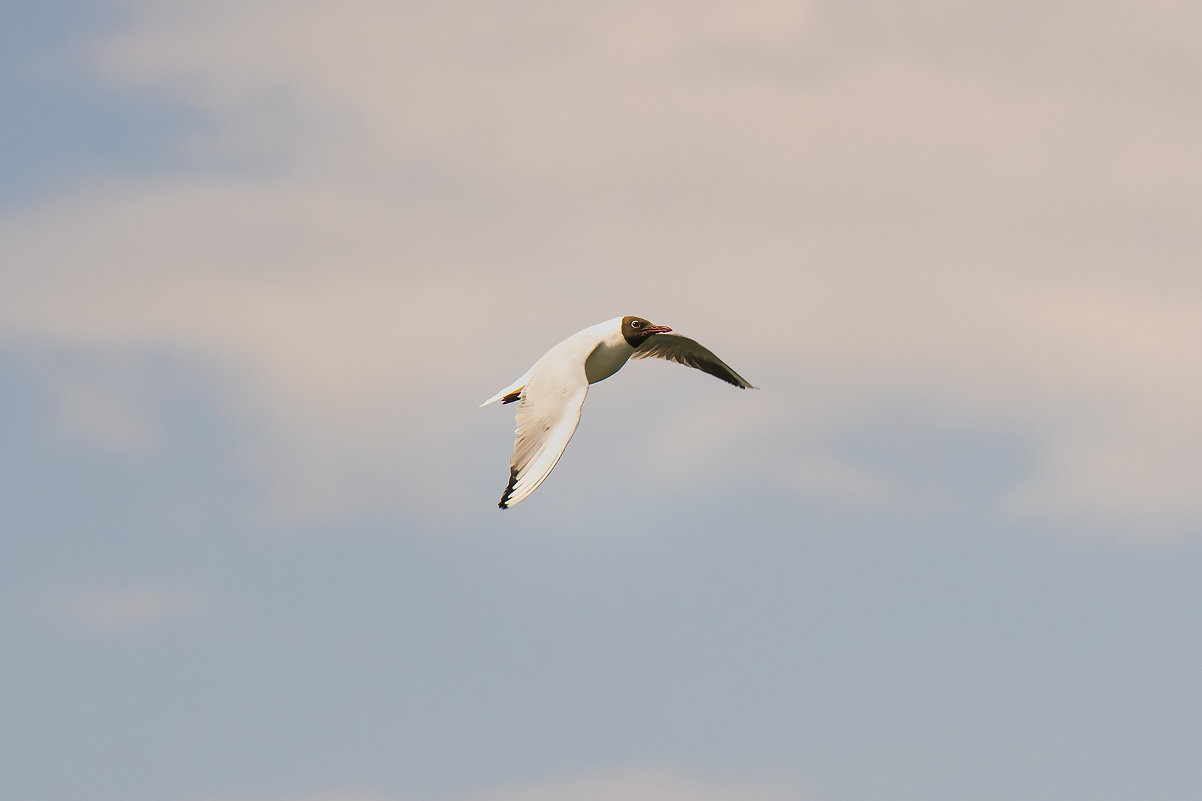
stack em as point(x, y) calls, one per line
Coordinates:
point(551, 393)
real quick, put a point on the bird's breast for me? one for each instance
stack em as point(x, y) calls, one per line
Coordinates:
point(605, 360)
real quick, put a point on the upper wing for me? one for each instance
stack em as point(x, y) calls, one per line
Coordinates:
point(683, 350)
point(546, 420)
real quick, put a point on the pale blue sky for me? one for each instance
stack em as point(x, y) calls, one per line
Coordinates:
point(261, 263)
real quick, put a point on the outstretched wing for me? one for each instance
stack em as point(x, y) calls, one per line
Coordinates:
point(691, 353)
point(547, 417)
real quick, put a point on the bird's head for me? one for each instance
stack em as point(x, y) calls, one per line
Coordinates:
point(637, 329)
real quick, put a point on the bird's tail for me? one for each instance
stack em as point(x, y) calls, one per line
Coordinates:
point(513, 389)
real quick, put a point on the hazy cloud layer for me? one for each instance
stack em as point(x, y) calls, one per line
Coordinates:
point(985, 218)
point(120, 610)
point(629, 785)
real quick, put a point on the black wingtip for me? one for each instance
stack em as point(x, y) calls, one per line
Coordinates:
point(512, 397)
point(513, 479)
point(735, 380)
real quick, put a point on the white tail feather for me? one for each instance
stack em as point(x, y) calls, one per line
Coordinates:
point(514, 387)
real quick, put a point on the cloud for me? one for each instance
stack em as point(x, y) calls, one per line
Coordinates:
point(391, 211)
point(332, 795)
point(104, 408)
point(330, 367)
point(349, 794)
point(119, 610)
point(648, 784)
point(635, 785)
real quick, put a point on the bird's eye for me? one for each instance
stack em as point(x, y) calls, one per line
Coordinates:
point(635, 323)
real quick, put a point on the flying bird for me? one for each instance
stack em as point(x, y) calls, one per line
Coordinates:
point(551, 393)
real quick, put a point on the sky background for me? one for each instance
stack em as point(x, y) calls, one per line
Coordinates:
point(262, 261)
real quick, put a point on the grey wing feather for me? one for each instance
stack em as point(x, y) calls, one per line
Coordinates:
point(690, 353)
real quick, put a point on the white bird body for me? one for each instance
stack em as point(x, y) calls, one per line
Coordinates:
point(552, 391)
point(601, 348)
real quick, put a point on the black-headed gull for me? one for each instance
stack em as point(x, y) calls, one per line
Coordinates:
point(552, 392)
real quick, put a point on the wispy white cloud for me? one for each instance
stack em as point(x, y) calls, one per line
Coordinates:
point(434, 193)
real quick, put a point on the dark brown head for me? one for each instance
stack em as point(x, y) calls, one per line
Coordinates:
point(636, 330)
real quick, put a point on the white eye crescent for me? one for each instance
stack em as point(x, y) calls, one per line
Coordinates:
point(635, 323)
